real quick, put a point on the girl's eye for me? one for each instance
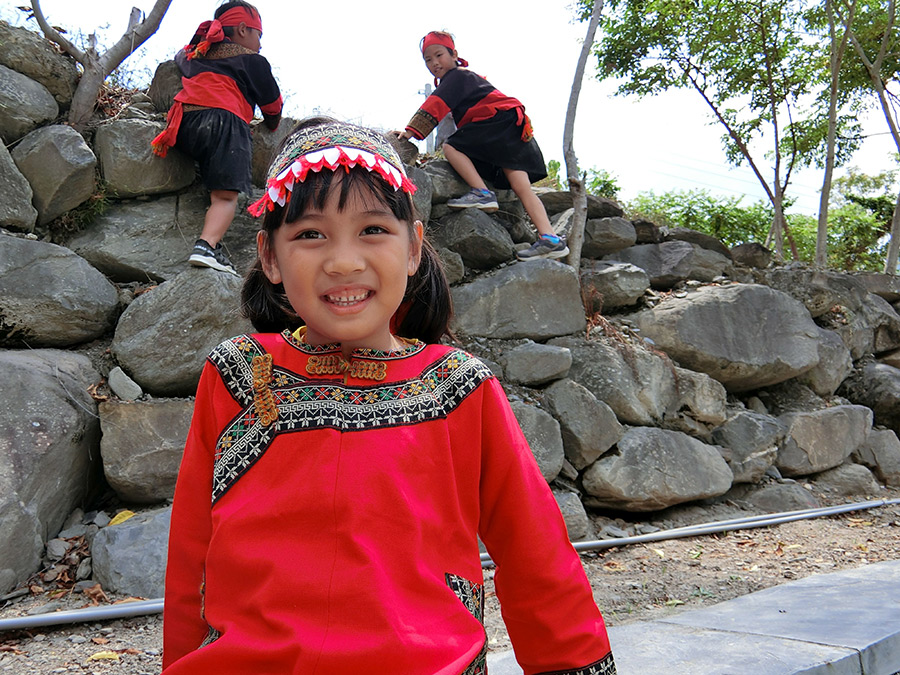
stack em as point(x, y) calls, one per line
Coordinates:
point(309, 234)
point(374, 229)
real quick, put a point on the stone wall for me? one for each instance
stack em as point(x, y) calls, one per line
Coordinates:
point(666, 370)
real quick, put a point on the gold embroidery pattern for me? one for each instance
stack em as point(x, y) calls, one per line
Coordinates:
point(332, 364)
point(263, 401)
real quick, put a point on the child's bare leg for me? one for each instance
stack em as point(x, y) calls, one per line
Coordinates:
point(464, 167)
point(521, 185)
point(219, 215)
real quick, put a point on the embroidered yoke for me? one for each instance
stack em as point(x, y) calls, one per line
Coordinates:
point(325, 521)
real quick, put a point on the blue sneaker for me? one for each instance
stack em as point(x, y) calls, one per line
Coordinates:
point(544, 248)
point(475, 199)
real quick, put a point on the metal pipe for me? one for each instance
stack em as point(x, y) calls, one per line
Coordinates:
point(119, 611)
point(155, 606)
point(747, 523)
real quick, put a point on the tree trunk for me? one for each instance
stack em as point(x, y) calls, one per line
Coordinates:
point(576, 185)
point(837, 56)
point(98, 66)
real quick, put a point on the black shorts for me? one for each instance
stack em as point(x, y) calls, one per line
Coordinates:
point(496, 144)
point(220, 141)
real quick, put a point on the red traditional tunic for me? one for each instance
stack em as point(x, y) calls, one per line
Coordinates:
point(326, 524)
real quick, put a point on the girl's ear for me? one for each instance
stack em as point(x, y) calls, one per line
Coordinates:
point(267, 259)
point(415, 248)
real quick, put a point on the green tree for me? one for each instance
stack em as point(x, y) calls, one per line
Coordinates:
point(751, 62)
point(876, 44)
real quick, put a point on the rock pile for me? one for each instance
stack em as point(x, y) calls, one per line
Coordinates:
point(668, 369)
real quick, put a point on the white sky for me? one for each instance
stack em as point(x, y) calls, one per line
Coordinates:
point(359, 60)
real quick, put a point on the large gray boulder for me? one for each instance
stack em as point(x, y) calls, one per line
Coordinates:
point(49, 460)
point(142, 446)
point(534, 364)
point(60, 167)
point(482, 242)
point(446, 183)
point(642, 387)
point(818, 290)
point(749, 442)
point(130, 558)
point(609, 285)
point(423, 194)
point(699, 239)
point(603, 236)
point(50, 297)
point(538, 299)
point(744, 335)
point(881, 454)
point(165, 84)
point(557, 201)
point(847, 480)
point(24, 105)
point(653, 469)
point(666, 264)
point(164, 336)
point(876, 386)
point(151, 240)
point(16, 210)
point(543, 436)
point(578, 525)
point(886, 286)
point(835, 364)
point(32, 55)
point(265, 144)
point(589, 427)
point(822, 439)
point(129, 165)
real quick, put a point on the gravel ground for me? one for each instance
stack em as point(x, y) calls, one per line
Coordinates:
point(633, 583)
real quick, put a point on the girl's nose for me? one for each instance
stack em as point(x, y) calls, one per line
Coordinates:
point(345, 260)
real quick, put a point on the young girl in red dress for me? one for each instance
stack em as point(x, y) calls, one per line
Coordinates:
point(342, 464)
point(493, 141)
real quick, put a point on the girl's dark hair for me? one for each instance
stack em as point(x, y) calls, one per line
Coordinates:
point(426, 309)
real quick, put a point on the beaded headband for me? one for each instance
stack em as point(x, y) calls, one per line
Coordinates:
point(330, 146)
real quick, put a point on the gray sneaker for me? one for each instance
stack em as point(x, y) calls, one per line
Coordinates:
point(475, 199)
point(205, 255)
point(544, 248)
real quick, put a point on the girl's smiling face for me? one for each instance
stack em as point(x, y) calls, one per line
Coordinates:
point(344, 270)
point(439, 60)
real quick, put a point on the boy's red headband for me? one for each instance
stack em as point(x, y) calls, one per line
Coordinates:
point(210, 32)
point(444, 40)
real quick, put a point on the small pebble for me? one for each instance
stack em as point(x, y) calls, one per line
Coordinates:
point(77, 639)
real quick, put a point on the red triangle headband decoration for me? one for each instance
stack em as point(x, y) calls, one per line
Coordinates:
point(332, 157)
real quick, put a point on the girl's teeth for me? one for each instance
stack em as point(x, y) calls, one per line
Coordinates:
point(347, 300)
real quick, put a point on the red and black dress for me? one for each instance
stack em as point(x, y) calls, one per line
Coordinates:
point(493, 129)
point(220, 91)
point(327, 513)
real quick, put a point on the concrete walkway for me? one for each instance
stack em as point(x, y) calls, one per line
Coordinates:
point(845, 623)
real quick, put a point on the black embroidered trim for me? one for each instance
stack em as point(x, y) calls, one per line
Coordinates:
point(211, 636)
point(605, 666)
point(471, 595)
point(311, 404)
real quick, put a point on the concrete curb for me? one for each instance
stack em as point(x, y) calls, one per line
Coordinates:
point(844, 623)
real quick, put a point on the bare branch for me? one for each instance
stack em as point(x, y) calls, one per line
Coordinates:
point(576, 186)
point(53, 35)
point(134, 37)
